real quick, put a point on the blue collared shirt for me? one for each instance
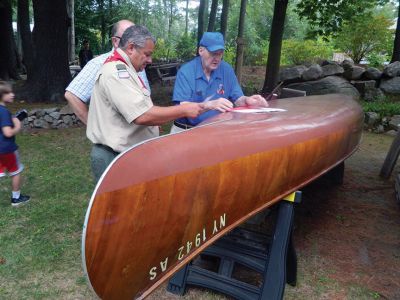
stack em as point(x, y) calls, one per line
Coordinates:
point(191, 85)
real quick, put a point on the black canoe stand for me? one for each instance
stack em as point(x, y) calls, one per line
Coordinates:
point(272, 256)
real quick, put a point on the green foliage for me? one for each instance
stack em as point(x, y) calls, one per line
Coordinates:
point(364, 35)
point(305, 52)
point(164, 51)
point(230, 54)
point(327, 16)
point(383, 108)
point(186, 47)
point(376, 59)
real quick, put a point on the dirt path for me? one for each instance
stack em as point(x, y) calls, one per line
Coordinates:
point(347, 237)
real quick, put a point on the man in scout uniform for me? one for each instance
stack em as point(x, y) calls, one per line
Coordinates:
point(121, 112)
point(79, 91)
point(209, 80)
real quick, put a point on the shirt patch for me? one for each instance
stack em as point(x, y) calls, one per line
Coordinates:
point(123, 74)
point(220, 90)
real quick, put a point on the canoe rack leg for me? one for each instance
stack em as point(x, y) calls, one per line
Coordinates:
point(273, 257)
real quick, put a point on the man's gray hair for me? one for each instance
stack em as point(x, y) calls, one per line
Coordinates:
point(137, 35)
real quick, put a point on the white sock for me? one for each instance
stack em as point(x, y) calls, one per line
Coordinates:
point(16, 194)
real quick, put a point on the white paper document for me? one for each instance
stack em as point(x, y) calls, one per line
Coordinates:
point(257, 110)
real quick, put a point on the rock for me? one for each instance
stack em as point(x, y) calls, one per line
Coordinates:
point(394, 122)
point(392, 70)
point(379, 129)
point(66, 110)
point(367, 90)
point(332, 69)
point(391, 85)
point(55, 115)
point(354, 73)
point(292, 74)
point(48, 119)
point(39, 123)
point(67, 120)
point(347, 64)
point(371, 118)
point(372, 73)
point(391, 133)
point(50, 110)
point(327, 85)
point(312, 73)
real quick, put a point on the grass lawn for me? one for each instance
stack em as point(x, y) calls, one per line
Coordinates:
point(40, 242)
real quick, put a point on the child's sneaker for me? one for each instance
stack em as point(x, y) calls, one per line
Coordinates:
point(20, 201)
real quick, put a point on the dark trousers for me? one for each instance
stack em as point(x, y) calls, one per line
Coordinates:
point(100, 157)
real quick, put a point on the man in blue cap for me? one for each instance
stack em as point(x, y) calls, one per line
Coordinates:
point(209, 80)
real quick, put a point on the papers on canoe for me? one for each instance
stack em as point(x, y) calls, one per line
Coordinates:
point(257, 110)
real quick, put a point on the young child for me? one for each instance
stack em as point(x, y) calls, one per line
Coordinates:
point(9, 159)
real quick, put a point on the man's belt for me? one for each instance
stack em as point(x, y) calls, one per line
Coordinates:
point(108, 149)
point(183, 126)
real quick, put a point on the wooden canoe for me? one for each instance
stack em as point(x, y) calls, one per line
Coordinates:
point(163, 201)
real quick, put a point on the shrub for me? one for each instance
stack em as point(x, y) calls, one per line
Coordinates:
point(383, 108)
point(164, 51)
point(296, 52)
point(186, 47)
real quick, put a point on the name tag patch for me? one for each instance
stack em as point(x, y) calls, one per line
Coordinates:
point(123, 74)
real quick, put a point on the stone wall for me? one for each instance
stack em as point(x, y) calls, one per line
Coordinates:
point(346, 78)
point(54, 118)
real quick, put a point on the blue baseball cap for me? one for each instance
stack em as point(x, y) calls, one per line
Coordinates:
point(213, 41)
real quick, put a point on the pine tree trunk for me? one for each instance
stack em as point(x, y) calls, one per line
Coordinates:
point(224, 16)
point(200, 20)
point(240, 41)
point(71, 30)
point(26, 36)
point(187, 17)
point(50, 37)
point(275, 46)
point(396, 44)
point(213, 15)
point(8, 59)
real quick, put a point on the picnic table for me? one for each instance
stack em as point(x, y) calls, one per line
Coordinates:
point(163, 72)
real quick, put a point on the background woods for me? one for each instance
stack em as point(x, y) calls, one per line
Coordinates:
point(40, 39)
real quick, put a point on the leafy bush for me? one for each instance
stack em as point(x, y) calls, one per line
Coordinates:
point(164, 51)
point(230, 54)
point(186, 47)
point(296, 52)
point(383, 108)
point(377, 59)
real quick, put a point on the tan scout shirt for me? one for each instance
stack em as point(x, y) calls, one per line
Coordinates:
point(118, 98)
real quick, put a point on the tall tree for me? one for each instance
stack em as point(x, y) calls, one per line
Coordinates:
point(187, 17)
point(275, 46)
point(396, 44)
point(102, 15)
point(26, 36)
point(8, 59)
point(240, 41)
point(327, 16)
point(71, 29)
point(50, 37)
point(200, 20)
point(224, 16)
point(213, 15)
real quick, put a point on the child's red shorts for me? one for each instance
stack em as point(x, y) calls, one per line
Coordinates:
point(10, 164)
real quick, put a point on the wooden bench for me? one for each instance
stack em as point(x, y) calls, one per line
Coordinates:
point(165, 73)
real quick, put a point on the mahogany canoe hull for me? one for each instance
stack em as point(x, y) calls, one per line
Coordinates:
point(163, 201)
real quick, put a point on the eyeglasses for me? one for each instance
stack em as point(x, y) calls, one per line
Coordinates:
point(116, 36)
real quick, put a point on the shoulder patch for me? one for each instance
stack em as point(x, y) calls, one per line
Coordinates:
point(120, 67)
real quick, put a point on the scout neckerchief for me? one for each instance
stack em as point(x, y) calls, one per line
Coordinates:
point(115, 56)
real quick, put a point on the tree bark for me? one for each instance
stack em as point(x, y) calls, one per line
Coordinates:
point(240, 41)
point(8, 59)
point(213, 15)
point(275, 46)
point(396, 44)
point(50, 37)
point(102, 24)
point(187, 17)
point(200, 20)
point(224, 16)
point(71, 30)
point(26, 36)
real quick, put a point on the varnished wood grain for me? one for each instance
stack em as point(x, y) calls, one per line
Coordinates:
point(159, 199)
